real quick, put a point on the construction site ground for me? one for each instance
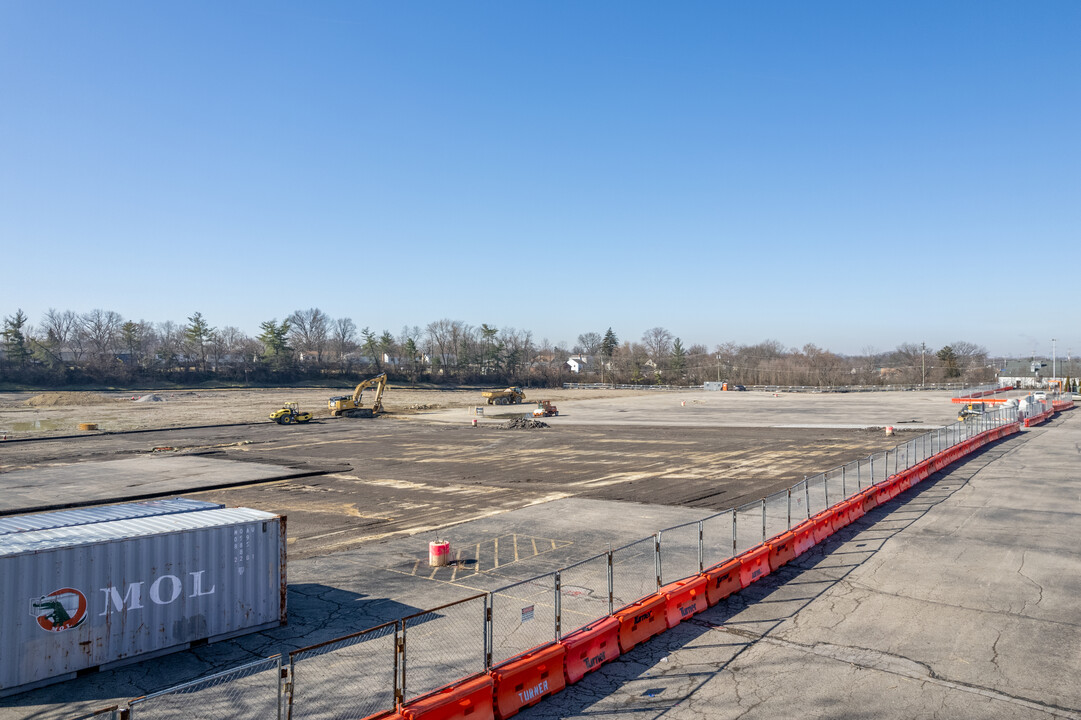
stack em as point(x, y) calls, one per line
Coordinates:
point(364, 497)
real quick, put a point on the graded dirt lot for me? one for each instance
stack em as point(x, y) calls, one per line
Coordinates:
point(347, 482)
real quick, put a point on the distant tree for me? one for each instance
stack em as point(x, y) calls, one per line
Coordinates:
point(491, 350)
point(16, 347)
point(679, 359)
point(609, 344)
point(344, 340)
point(198, 336)
point(387, 345)
point(309, 330)
point(590, 342)
point(371, 347)
point(275, 338)
point(658, 342)
point(949, 362)
point(102, 330)
point(412, 352)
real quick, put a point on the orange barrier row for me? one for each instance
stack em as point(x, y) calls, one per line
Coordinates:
point(524, 682)
point(589, 648)
point(1060, 405)
point(1037, 419)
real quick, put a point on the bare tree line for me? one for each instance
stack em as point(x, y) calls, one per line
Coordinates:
point(101, 347)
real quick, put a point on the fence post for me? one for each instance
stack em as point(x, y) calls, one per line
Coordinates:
point(282, 673)
point(399, 692)
point(611, 583)
point(807, 497)
point(826, 490)
point(871, 458)
point(701, 546)
point(657, 556)
point(859, 485)
point(844, 489)
point(763, 519)
point(733, 532)
point(488, 634)
point(789, 508)
point(559, 606)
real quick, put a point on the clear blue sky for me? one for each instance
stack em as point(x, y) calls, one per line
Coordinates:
point(848, 174)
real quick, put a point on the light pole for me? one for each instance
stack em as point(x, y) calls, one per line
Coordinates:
point(1054, 374)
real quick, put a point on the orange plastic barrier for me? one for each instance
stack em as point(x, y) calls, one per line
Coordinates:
point(823, 525)
point(722, 580)
point(589, 648)
point(684, 598)
point(386, 715)
point(470, 699)
point(528, 680)
point(870, 499)
point(782, 550)
point(805, 536)
point(852, 509)
point(754, 565)
point(641, 621)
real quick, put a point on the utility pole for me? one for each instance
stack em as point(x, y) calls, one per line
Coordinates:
point(923, 362)
point(1054, 374)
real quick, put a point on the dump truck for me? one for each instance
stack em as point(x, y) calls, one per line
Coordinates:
point(510, 396)
point(350, 405)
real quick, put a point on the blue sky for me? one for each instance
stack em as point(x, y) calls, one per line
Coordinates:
point(850, 174)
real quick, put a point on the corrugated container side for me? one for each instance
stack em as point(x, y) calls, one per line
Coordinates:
point(67, 609)
point(105, 513)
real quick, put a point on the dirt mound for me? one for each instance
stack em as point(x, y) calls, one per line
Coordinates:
point(53, 399)
point(524, 424)
point(149, 398)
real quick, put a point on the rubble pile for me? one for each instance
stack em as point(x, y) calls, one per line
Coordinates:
point(524, 424)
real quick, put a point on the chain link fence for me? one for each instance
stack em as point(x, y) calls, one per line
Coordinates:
point(441, 646)
point(681, 551)
point(634, 571)
point(250, 691)
point(523, 617)
point(718, 538)
point(585, 593)
point(350, 677)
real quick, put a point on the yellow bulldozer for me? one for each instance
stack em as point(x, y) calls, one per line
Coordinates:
point(350, 405)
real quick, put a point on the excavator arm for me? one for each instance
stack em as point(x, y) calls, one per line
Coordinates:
point(380, 383)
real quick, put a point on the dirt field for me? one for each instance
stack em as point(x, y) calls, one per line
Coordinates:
point(29, 414)
point(407, 471)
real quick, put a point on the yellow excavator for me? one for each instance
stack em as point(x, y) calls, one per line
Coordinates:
point(350, 406)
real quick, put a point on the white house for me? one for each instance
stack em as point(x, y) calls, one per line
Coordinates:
point(580, 363)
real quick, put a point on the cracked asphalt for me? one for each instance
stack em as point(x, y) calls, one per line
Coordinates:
point(958, 600)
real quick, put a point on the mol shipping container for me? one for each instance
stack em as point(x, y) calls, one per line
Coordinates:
point(99, 595)
point(105, 513)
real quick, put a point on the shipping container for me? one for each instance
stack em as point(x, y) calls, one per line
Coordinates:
point(105, 513)
point(103, 594)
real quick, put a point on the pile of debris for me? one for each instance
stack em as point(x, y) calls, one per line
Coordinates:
point(524, 424)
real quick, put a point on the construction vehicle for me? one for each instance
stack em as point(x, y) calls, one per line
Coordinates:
point(545, 408)
point(350, 405)
point(971, 410)
point(290, 413)
point(510, 396)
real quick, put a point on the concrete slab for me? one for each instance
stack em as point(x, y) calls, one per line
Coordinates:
point(57, 486)
point(958, 601)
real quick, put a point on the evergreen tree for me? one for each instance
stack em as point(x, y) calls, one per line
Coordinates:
point(15, 346)
point(275, 339)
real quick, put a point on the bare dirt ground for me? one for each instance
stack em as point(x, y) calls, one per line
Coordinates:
point(30, 414)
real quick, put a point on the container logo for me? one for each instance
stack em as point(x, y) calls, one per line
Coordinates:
point(60, 610)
